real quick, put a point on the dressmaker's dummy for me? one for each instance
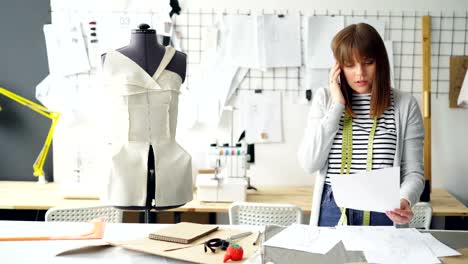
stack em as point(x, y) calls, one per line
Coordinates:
point(143, 80)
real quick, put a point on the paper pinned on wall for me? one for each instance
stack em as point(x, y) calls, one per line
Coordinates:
point(261, 114)
point(463, 96)
point(265, 41)
point(242, 40)
point(213, 82)
point(377, 190)
point(282, 41)
point(375, 23)
point(66, 52)
point(319, 34)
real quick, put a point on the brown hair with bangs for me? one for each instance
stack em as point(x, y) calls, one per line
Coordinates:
point(362, 41)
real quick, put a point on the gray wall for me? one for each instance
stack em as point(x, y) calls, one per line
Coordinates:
point(23, 64)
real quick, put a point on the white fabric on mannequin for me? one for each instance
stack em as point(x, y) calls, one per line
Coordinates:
point(144, 113)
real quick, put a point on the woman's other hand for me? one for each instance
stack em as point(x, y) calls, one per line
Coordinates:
point(403, 215)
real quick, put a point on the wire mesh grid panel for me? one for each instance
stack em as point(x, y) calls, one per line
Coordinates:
point(449, 31)
point(403, 28)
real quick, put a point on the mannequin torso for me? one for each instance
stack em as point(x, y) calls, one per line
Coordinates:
point(149, 55)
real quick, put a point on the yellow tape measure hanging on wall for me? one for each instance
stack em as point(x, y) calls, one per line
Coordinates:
point(347, 157)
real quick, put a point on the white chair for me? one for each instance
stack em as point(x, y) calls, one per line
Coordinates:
point(260, 214)
point(84, 214)
point(422, 215)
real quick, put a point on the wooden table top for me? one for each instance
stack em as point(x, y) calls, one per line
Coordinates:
point(34, 196)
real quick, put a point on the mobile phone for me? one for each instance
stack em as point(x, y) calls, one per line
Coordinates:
point(341, 81)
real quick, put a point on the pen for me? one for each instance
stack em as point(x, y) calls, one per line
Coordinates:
point(234, 237)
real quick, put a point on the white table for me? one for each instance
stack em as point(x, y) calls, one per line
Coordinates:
point(45, 251)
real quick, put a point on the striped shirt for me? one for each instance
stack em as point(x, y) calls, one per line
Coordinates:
point(384, 140)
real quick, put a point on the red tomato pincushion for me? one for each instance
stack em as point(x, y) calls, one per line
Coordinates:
point(234, 252)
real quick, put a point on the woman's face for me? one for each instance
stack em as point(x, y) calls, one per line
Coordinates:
point(360, 74)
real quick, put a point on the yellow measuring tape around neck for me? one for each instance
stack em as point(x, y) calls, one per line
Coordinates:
point(347, 157)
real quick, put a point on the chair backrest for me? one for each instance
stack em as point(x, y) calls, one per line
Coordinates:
point(422, 215)
point(84, 214)
point(244, 213)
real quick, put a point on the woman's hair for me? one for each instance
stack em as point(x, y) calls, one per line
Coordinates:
point(362, 41)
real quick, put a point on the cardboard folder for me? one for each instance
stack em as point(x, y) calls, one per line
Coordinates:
point(192, 252)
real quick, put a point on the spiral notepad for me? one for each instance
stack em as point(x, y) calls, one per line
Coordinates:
point(184, 233)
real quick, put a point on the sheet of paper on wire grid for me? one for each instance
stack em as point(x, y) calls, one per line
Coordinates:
point(261, 117)
point(320, 31)
point(379, 25)
point(265, 41)
point(377, 190)
point(281, 37)
point(66, 52)
point(305, 238)
point(387, 244)
point(213, 83)
point(242, 40)
point(462, 100)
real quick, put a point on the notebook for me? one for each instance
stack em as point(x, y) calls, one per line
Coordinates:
point(184, 233)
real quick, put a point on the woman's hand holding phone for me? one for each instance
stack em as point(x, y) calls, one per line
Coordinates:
point(335, 89)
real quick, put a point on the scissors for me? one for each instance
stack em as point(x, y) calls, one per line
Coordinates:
point(215, 243)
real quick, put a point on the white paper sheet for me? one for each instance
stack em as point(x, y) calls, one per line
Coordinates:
point(438, 248)
point(379, 25)
point(387, 244)
point(66, 52)
point(262, 117)
point(213, 82)
point(265, 41)
point(377, 190)
point(402, 245)
point(212, 86)
point(356, 238)
point(242, 40)
point(463, 96)
point(320, 31)
point(305, 238)
point(281, 38)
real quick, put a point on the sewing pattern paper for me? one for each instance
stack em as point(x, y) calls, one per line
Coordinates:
point(319, 34)
point(262, 117)
point(66, 52)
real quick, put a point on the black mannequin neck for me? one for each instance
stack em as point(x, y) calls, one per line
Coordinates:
point(145, 41)
point(144, 50)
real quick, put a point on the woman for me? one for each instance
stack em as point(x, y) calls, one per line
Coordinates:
point(374, 118)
